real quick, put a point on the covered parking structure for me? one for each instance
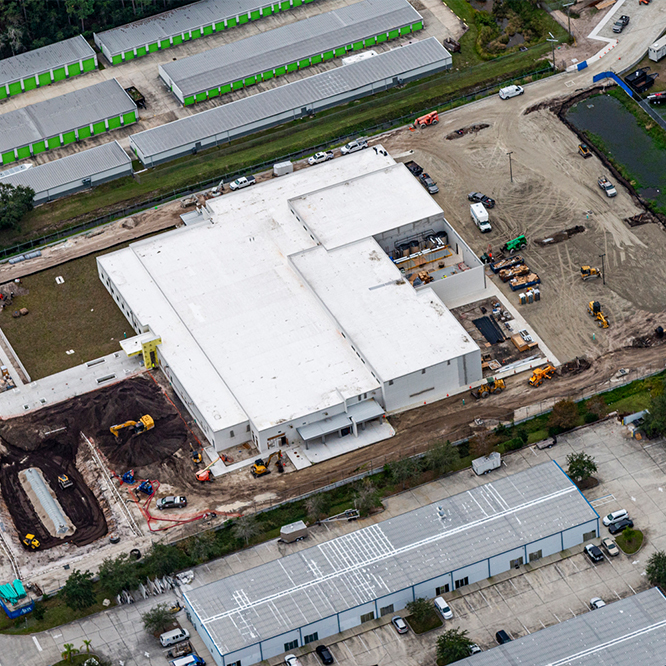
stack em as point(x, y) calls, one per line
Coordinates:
point(289, 102)
point(320, 591)
point(289, 48)
point(42, 67)
point(63, 120)
point(183, 24)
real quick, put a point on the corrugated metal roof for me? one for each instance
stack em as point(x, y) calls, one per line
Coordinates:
point(44, 59)
point(392, 555)
point(628, 632)
point(252, 109)
point(72, 168)
point(57, 115)
point(288, 44)
point(175, 22)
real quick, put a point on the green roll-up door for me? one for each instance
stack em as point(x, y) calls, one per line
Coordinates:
point(116, 60)
point(296, 3)
point(152, 48)
point(284, 5)
point(187, 36)
point(406, 30)
point(292, 67)
point(129, 118)
point(114, 123)
point(266, 11)
point(23, 152)
point(88, 65)
point(165, 44)
point(276, 8)
point(213, 93)
point(381, 38)
point(316, 59)
point(189, 100)
point(8, 158)
point(74, 69)
point(201, 97)
point(177, 39)
point(341, 51)
point(279, 71)
point(38, 147)
point(267, 75)
point(53, 142)
point(243, 18)
point(393, 34)
point(369, 42)
point(140, 51)
point(303, 63)
point(250, 80)
point(84, 132)
point(237, 85)
point(357, 46)
point(44, 79)
point(3, 92)
point(15, 88)
point(99, 128)
point(329, 55)
point(219, 26)
point(255, 15)
point(231, 23)
point(129, 55)
point(417, 26)
point(29, 83)
point(225, 89)
point(208, 30)
point(306, 1)
point(68, 137)
point(196, 33)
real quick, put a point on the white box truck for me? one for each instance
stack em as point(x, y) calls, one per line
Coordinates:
point(480, 217)
point(283, 168)
point(487, 463)
point(658, 50)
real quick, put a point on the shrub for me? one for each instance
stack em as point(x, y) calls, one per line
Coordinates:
point(513, 444)
point(590, 417)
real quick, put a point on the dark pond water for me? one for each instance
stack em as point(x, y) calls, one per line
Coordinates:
point(486, 6)
point(626, 141)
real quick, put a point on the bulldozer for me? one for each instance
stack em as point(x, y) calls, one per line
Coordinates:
point(260, 468)
point(539, 374)
point(31, 541)
point(142, 425)
point(64, 481)
point(492, 385)
point(428, 119)
point(594, 308)
point(589, 272)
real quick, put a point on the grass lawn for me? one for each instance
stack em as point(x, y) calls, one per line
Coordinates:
point(431, 622)
point(79, 314)
point(629, 541)
point(77, 660)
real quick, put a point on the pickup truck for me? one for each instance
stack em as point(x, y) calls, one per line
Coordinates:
point(428, 183)
point(607, 186)
point(621, 24)
point(353, 146)
point(242, 182)
point(414, 168)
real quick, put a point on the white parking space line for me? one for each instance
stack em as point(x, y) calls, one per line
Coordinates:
point(486, 600)
point(574, 614)
point(39, 647)
point(606, 499)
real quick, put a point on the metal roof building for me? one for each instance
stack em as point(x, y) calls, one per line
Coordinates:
point(179, 25)
point(374, 571)
point(75, 172)
point(286, 49)
point(290, 102)
point(627, 632)
point(41, 67)
point(61, 120)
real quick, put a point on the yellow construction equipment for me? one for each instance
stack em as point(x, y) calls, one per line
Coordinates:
point(31, 542)
point(259, 468)
point(492, 385)
point(539, 374)
point(589, 272)
point(144, 423)
point(594, 308)
point(205, 473)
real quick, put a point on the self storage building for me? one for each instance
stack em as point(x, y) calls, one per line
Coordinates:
point(66, 119)
point(307, 596)
point(289, 48)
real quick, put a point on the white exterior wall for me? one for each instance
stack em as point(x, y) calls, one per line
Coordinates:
point(352, 618)
point(574, 536)
point(398, 599)
point(246, 656)
point(275, 646)
point(454, 287)
point(548, 546)
point(474, 572)
point(324, 628)
point(428, 590)
point(501, 563)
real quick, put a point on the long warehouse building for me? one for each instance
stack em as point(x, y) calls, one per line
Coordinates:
point(44, 66)
point(74, 173)
point(183, 24)
point(339, 584)
point(66, 119)
point(289, 102)
point(289, 48)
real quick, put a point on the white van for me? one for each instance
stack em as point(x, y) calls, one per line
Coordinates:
point(615, 517)
point(480, 217)
point(443, 608)
point(172, 637)
point(511, 91)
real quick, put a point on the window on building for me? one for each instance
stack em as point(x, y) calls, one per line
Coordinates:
point(368, 616)
point(462, 582)
point(423, 371)
point(535, 556)
point(291, 645)
point(247, 428)
point(235, 663)
point(231, 433)
point(443, 589)
point(311, 638)
point(518, 562)
point(386, 610)
point(390, 382)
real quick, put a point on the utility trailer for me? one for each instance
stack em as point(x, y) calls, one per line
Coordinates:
point(658, 50)
point(487, 463)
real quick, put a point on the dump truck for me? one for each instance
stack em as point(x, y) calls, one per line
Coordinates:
point(145, 423)
point(607, 186)
point(541, 373)
point(293, 532)
point(515, 244)
point(589, 272)
point(487, 463)
point(490, 386)
point(429, 119)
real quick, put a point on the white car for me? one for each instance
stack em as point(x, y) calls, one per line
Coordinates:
point(615, 517)
point(511, 91)
point(292, 660)
point(596, 602)
point(318, 158)
point(242, 182)
point(443, 608)
point(353, 146)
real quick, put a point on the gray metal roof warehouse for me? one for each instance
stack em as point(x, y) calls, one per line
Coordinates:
point(67, 175)
point(285, 45)
point(498, 519)
point(61, 114)
point(290, 101)
point(629, 632)
point(44, 59)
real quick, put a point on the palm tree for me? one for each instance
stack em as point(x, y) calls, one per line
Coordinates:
point(68, 651)
point(87, 645)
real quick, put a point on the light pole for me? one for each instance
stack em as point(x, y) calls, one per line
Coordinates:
point(553, 41)
point(603, 267)
point(510, 165)
point(569, 15)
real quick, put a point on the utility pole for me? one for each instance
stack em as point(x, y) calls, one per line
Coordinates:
point(569, 15)
point(510, 166)
point(553, 41)
point(603, 267)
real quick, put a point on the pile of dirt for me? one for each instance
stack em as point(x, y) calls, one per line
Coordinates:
point(561, 236)
point(646, 217)
point(575, 367)
point(472, 129)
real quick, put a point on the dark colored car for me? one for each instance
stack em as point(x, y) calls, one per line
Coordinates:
point(477, 197)
point(172, 502)
point(594, 553)
point(324, 654)
point(414, 168)
point(621, 23)
point(502, 637)
point(616, 528)
point(428, 183)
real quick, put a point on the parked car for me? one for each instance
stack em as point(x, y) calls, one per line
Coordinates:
point(353, 146)
point(502, 637)
point(610, 546)
point(428, 183)
point(474, 649)
point(400, 625)
point(616, 528)
point(596, 602)
point(621, 23)
point(615, 517)
point(324, 654)
point(594, 553)
point(242, 182)
point(320, 157)
point(291, 660)
point(172, 502)
point(477, 197)
point(414, 168)
point(443, 608)
point(511, 91)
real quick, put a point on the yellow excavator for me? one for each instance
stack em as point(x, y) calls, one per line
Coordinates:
point(259, 468)
point(142, 425)
point(589, 272)
point(594, 308)
point(539, 374)
point(492, 385)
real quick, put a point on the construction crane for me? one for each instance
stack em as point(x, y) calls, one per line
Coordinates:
point(259, 468)
point(594, 308)
point(205, 474)
point(539, 374)
point(589, 272)
point(142, 425)
point(492, 385)
point(31, 541)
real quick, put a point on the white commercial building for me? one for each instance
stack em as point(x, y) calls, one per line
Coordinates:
point(293, 314)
